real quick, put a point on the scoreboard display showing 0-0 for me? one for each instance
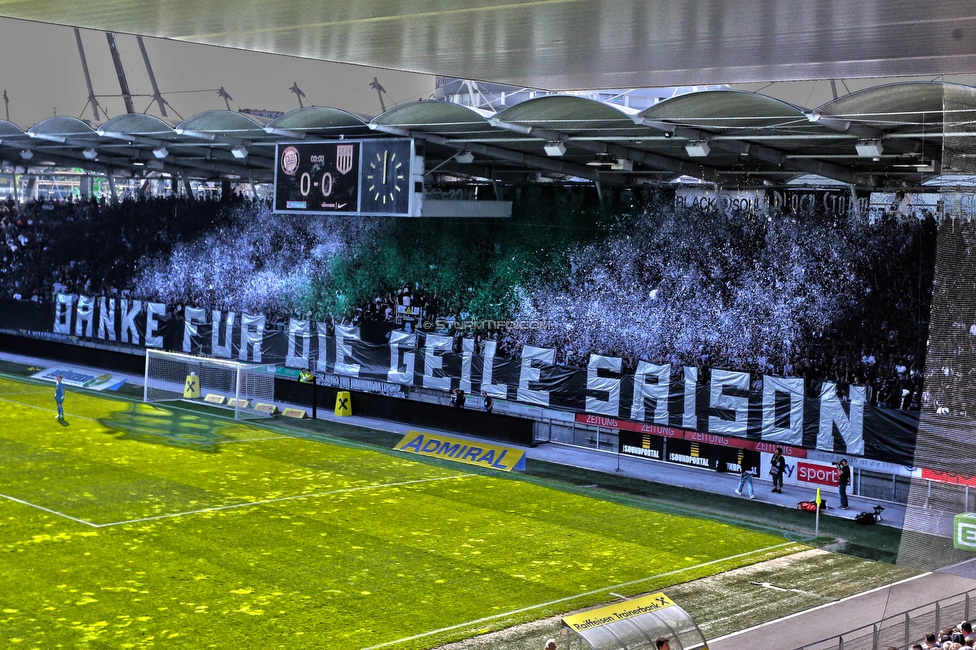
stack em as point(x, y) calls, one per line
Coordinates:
point(352, 177)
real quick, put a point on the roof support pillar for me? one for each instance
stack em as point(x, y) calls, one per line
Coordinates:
point(31, 192)
point(111, 186)
point(186, 185)
point(13, 184)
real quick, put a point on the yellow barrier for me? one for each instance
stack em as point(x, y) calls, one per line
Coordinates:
point(191, 389)
point(343, 404)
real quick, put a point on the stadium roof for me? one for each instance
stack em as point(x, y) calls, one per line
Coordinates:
point(889, 136)
point(567, 44)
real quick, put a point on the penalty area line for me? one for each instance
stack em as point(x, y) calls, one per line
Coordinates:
point(53, 512)
point(493, 617)
point(240, 440)
point(277, 500)
point(75, 416)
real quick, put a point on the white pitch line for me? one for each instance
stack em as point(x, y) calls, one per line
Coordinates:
point(238, 440)
point(53, 512)
point(138, 429)
point(574, 597)
point(46, 408)
point(31, 394)
point(278, 499)
point(824, 606)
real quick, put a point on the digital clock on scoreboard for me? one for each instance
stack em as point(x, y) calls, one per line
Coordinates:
point(369, 176)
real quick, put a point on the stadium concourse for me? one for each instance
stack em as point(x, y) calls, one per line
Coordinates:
point(793, 631)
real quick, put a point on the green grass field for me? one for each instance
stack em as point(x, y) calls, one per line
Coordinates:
point(136, 526)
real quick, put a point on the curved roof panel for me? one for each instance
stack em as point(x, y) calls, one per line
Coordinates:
point(568, 113)
point(61, 125)
point(138, 124)
point(319, 119)
point(726, 109)
point(894, 105)
point(240, 124)
point(10, 130)
point(434, 117)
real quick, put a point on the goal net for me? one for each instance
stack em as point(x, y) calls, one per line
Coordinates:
point(171, 376)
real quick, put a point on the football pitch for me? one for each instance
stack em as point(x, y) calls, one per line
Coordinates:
point(133, 526)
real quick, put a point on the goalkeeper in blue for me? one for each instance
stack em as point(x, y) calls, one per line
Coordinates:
point(59, 396)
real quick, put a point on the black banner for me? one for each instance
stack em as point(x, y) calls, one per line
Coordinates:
point(781, 413)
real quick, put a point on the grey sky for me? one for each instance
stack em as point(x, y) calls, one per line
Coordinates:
point(43, 74)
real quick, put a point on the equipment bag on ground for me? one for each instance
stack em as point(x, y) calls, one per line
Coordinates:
point(870, 518)
point(811, 506)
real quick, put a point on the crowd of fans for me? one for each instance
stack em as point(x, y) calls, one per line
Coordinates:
point(91, 247)
point(950, 638)
point(842, 300)
point(951, 356)
point(406, 306)
point(846, 303)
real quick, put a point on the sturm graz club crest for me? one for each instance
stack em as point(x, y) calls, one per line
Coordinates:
point(290, 159)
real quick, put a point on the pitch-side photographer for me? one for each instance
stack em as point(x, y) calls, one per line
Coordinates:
point(843, 480)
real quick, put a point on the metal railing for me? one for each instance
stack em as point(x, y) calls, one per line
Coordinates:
point(901, 630)
point(867, 484)
point(566, 431)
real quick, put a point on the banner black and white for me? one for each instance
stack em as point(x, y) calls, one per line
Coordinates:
point(786, 411)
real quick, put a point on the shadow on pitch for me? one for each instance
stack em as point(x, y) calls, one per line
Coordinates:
point(167, 427)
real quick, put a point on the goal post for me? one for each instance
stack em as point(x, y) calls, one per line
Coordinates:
point(223, 383)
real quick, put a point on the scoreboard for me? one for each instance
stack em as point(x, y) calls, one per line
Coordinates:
point(380, 177)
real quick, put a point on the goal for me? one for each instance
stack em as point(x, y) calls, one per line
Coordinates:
point(171, 376)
